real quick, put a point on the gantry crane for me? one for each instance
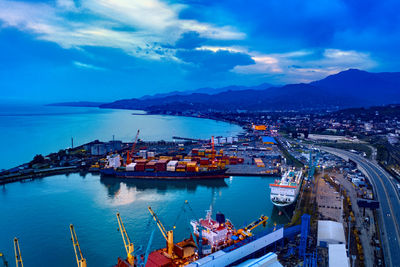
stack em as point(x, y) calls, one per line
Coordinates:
point(17, 251)
point(127, 242)
point(168, 235)
point(130, 154)
point(246, 231)
point(80, 260)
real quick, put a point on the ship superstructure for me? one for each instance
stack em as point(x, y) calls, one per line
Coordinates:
point(214, 234)
point(284, 192)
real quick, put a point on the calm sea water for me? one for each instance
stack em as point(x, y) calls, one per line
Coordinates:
point(27, 130)
point(39, 212)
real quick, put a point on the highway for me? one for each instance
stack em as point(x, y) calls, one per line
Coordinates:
point(387, 195)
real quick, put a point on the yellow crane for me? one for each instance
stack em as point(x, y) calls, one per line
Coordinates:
point(18, 257)
point(80, 260)
point(168, 235)
point(127, 242)
point(5, 263)
point(246, 231)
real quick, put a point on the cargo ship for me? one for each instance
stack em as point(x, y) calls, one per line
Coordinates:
point(211, 236)
point(285, 191)
point(161, 169)
point(201, 164)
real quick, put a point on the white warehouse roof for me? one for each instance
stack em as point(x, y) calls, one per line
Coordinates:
point(337, 255)
point(330, 232)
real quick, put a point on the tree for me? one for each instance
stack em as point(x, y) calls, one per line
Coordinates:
point(38, 159)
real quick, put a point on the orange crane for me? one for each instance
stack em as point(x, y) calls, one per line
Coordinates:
point(130, 154)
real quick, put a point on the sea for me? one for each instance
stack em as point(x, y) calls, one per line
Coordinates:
point(39, 212)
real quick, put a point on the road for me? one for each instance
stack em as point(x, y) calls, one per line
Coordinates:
point(388, 197)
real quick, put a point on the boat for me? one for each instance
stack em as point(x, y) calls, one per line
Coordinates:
point(285, 191)
point(120, 173)
point(160, 169)
point(211, 236)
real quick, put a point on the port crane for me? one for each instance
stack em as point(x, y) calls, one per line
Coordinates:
point(127, 242)
point(168, 235)
point(17, 251)
point(246, 231)
point(130, 154)
point(80, 260)
point(5, 263)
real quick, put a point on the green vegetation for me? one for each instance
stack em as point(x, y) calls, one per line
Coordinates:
point(382, 154)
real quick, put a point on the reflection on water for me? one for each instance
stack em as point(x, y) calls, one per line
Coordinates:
point(90, 202)
point(114, 185)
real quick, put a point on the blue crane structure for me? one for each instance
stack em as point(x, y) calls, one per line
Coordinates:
point(305, 225)
point(312, 165)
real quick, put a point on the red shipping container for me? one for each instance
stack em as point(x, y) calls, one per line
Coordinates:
point(140, 167)
point(161, 165)
point(204, 161)
point(233, 161)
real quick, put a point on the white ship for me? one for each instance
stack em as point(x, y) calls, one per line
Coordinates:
point(284, 192)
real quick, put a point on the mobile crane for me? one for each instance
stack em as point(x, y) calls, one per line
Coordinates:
point(80, 260)
point(17, 251)
point(127, 242)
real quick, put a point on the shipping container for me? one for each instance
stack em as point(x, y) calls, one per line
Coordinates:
point(131, 167)
point(172, 165)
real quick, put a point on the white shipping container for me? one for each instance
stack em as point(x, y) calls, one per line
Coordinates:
point(131, 167)
point(172, 165)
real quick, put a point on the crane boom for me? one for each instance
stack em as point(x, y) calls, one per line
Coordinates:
point(130, 154)
point(168, 235)
point(17, 251)
point(127, 242)
point(80, 260)
point(134, 143)
point(246, 231)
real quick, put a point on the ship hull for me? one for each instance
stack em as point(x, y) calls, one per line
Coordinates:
point(286, 194)
point(214, 174)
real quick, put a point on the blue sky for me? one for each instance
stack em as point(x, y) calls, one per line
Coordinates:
point(103, 50)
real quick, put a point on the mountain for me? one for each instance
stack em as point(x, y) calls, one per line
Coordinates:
point(351, 88)
point(209, 90)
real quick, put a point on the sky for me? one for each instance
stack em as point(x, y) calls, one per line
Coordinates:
point(104, 50)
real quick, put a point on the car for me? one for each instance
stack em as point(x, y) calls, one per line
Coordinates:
point(388, 214)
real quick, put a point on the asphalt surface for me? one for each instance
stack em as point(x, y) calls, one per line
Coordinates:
point(388, 196)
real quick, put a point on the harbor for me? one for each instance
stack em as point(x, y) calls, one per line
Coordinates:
point(289, 187)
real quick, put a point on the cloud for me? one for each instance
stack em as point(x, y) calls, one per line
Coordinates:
point(218, 61)
point(189, 40)
point(87, 66)
point(140, 28)
point(298, 66)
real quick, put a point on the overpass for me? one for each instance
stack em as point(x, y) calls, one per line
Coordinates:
point(387, 194)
